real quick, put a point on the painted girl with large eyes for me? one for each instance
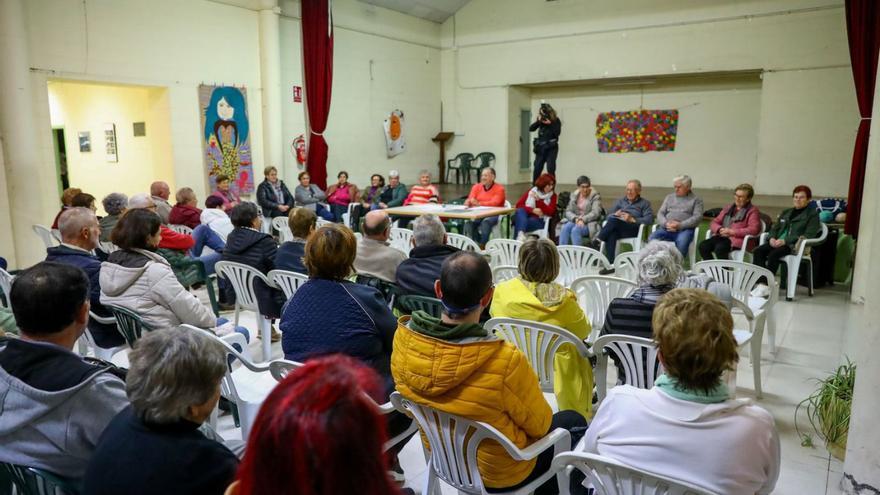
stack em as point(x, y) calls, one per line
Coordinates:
point(226, 136)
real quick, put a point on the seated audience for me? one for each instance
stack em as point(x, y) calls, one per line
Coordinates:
point(451, 363)
point(375, 256)
point(140, 280)
point(302, 222)
point(330, 314)
point(214, 217)
point(369, 200)
point(186, 211)
point(55, 405)
point(154, 445)
point(79, 237)
point(416, 275)
point(309, 196)
point(273, 196)
point(115, 205)
point(395, 194)
point(323, 403)
point(535, 296)
point(423, 192)
point(679, 215)
point(793, 224)
point(534, 206)
point(160, 192)
point(686, 426)
point(486, 193)
point(624, 219)
point(66, 199)
point(731, 226)
point(582, 214)
point(340, 195)
point(246, 244)
point(83, 200)
point(230, 198)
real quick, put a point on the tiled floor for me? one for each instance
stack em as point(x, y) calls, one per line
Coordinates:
point(813, 335)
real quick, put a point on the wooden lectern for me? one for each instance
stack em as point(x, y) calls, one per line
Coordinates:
point(442, 138)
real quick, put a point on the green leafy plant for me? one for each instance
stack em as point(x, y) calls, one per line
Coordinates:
point(828, 409)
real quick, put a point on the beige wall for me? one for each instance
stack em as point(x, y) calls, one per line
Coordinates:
point(79, 107)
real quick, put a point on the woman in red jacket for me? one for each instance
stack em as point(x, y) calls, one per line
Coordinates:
point(185, 212)
point(731, 226)
point(537, 203)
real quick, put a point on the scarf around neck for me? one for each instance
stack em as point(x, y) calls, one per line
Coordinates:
point(671, 387)
point(733, 216)
point(532, 202)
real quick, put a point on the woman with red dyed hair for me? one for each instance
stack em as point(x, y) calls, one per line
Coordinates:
point(537, 203)
point(318, 433)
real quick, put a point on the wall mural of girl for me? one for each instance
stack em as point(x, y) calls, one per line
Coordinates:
point(226, 138)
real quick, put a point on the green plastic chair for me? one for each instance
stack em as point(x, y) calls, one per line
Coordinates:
point(462, 166)
point(410, 303)
point(129, 324)
point(33, 481)
point(481, 161)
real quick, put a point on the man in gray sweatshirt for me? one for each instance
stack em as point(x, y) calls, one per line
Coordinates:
point(679, 215)
point(53, 404)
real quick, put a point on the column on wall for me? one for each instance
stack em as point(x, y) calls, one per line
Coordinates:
point(270, 76)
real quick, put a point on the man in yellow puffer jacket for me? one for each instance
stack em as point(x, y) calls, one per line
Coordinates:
point(454, 365)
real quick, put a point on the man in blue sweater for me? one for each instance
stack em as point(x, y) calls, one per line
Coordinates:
point(80, 234)
point(624, 218)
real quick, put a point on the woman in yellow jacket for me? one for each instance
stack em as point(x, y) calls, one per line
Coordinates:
point(534, 296)
point(454, 365)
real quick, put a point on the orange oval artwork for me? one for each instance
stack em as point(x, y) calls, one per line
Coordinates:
point(394, 128)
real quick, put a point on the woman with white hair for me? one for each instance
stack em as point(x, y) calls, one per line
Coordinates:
point(115, 205)
point(154, 445)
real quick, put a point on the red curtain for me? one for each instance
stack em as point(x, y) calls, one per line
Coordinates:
point(317, 37)
point(863, 31)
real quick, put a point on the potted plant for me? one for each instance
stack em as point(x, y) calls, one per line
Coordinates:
point(828, 409)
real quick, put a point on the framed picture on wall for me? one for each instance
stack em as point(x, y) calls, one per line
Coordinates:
point(110, 143)
point(85, 142)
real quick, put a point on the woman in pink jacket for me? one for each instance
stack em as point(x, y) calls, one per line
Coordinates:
point(730, 227)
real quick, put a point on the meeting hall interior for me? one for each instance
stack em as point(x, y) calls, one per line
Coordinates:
point(318, 247)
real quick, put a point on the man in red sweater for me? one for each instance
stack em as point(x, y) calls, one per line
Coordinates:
point(486, 193)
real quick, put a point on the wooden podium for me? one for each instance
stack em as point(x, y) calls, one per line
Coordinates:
point(441, 138)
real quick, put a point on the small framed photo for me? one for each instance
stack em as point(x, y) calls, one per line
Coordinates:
point(110, 143)
point(85, 142)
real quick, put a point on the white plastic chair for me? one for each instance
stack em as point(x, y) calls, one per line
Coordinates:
point(609, 477)
point(503, 252)
point(242, 278)
point(280, 224)
point(180, 229)
point(742, 278)
point(543, 231)
point(539, 342)
point(248, 385)
point(462, 242)
point(503, 273)
point(346, 217)
point(454, 440)
point(578, 261)
point(594, 294)
point(634, 242)
point(287, 281)
point(793, 262)
point(6, 287)
point(740, 254)
point(401, 239)
point(692, 247)
point(626, 265)
point(49, 239)
point(637, 356)
point(100, 352)
point(496, 230)
point(320, 222)
point(753, 335)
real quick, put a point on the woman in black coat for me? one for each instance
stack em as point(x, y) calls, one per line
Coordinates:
point(273, 196)
point(246, 244)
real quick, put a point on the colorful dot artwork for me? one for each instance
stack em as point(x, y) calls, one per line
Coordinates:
point(637, 131)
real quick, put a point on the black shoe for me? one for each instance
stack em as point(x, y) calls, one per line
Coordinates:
point(606, 271)
point(595, 244)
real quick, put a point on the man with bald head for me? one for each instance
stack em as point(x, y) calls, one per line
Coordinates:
point(80, 233)
point(160, 192)
point(375, 256)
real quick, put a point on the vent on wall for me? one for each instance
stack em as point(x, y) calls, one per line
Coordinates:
point(140, 129)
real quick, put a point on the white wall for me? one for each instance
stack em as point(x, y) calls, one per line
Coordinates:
point(490, 45)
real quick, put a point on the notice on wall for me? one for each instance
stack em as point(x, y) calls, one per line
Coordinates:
point(110, 150)
point(225, 138)
point(297, 94)
point(637, 131)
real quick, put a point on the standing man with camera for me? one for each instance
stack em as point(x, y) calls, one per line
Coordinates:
point(546, 145)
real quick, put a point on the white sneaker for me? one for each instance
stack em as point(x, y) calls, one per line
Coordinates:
point(521, 237)
point(761, 290)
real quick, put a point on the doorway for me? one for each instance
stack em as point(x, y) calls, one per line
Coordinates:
point(525, 120)
point(60, 158)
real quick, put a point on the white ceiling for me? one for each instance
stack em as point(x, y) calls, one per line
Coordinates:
point(432, 10)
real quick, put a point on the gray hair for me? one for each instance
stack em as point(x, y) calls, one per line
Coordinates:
point(428, 230)
point(115, 203)
point(636, 182)
point(171, 370)
point(393, 173)
point(73, 220)
point(660, 264)
point(424, 171)
point(141, 200)
point(684, 179)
